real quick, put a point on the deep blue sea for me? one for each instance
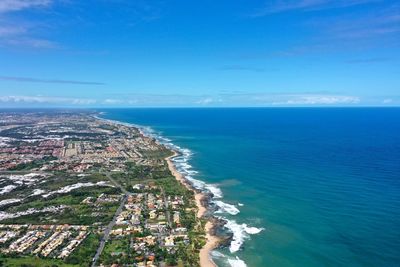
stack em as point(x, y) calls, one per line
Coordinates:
point(301, 186)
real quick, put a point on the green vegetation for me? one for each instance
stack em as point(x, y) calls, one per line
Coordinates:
point(140, 174)
point(85, 252)
point(158, 154)
point(117, 250)
point(97, 149)
point(75, 212)
point(33, 261)
point(174, 188)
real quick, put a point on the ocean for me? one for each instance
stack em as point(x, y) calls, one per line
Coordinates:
point(297, 186)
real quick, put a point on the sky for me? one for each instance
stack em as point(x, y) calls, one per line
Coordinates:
point(209, 53)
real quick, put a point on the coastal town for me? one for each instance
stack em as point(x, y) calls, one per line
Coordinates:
point(76, 190)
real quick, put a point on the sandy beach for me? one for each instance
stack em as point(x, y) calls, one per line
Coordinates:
point(212, 241)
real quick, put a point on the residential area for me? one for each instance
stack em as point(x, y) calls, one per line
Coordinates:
point(76, 190)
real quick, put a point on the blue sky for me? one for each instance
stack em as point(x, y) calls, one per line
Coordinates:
point(121, 53)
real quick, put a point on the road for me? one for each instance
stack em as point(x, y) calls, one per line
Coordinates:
point(117, 184)
point(108, 230)
point(167, 213)
point(109, 227)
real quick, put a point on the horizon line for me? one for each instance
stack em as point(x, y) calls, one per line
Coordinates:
point(198, 107)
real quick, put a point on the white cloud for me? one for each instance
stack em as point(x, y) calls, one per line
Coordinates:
point(113, 101)
point(387, 101)
point(256, 99)
point(79, 101)
point(46, 100)
point(12, 34)
point(16, 5)
point(20, 31)
point(205, 101)
point(318, 100)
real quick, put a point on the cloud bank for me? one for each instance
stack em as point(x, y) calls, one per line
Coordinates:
point(46, 100)
point(189, 100)
point(319, 100)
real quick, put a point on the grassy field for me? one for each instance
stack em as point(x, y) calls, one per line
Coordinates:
point(117, 251)
point(85, 252)
point(31, 261)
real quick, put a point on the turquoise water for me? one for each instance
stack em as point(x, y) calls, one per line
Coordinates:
point(324, 184)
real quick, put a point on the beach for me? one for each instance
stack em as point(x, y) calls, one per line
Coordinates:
point(212, 241)
point(288, 182)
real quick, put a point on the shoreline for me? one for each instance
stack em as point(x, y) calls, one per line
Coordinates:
point(212, 240)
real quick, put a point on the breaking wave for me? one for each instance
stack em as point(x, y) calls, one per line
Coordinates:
point(240, 231)
point(232, 261)
point(236, 262)
point(226, 208)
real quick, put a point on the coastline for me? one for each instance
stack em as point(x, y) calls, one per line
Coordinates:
point(212, 240)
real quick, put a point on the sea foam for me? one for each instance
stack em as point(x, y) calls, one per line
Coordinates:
point(181, 162)
point(214, 190)
point(232, 261)
point(226, 208)
point(240, 233)
point(236, 262)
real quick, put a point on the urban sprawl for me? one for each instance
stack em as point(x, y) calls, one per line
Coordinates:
point(76, 190)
